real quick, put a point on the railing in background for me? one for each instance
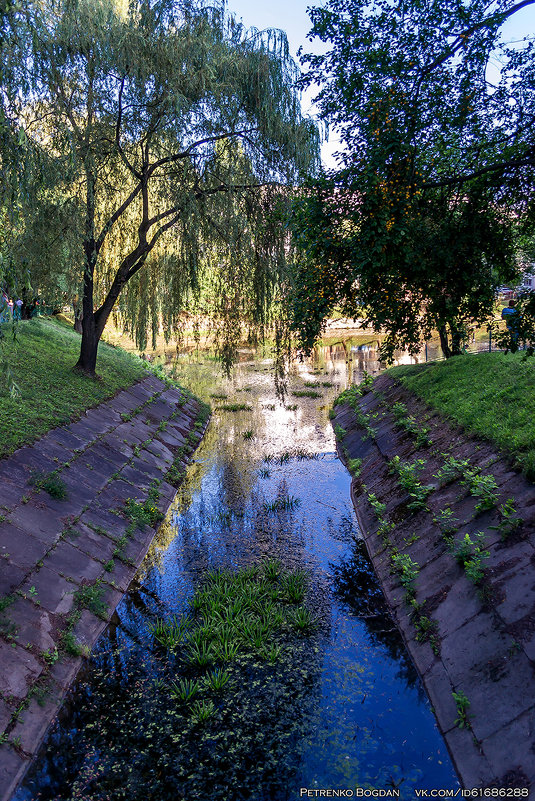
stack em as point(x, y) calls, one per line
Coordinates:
point(432, 352)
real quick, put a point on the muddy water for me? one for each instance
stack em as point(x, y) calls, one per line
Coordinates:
point(344, 710)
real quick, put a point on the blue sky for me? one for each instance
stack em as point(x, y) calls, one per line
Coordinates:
point(292, 17)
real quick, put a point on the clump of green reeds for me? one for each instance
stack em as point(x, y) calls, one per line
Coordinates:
point(251, 613)
point(285, 504)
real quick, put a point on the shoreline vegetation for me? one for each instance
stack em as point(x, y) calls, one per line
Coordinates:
point(39, 390)
point(488, 394)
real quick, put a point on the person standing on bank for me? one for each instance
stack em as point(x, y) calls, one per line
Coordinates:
point(511, 316)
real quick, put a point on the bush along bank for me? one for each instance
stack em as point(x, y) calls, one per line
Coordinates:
point(80, 508)
point(449, 527)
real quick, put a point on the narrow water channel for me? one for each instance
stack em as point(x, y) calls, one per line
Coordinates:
point(344, 709)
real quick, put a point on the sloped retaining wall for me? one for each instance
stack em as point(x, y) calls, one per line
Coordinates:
point(65, 562)
point(473, 643)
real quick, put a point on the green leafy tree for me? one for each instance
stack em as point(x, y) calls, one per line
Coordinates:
point(416, 229)
point(143, 107)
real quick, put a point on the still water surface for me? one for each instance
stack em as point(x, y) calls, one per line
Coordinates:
point(346, 710)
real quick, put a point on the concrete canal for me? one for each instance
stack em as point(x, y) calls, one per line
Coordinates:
point(332, 701)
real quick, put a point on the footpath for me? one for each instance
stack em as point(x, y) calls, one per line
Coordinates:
point(450, 530)
point(78, 511)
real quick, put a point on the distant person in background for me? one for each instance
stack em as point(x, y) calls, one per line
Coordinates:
point(511, 316)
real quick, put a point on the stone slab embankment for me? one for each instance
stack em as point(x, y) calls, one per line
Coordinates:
point(476, 640)
point(66, 562)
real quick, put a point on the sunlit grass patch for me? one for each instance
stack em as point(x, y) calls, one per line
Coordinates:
point(488, 394)
point(38, 387)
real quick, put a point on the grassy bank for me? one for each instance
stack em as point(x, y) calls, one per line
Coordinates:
point(489, 394)
point(38, 388)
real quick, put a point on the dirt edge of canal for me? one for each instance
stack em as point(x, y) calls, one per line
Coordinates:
point(449, 527)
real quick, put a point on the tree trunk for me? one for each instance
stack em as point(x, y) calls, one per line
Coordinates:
point(87, 361)
point(456, 349)
point(28, 307)
point(443, 334)
point(78, 315)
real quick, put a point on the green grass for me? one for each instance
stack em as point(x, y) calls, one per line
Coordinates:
point(488, 394)
point(38, 387)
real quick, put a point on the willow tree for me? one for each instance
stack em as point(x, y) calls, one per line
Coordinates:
point(135, 103)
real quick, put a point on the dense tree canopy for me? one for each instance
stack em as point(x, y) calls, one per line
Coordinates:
point(168, 132)
point(416, 229)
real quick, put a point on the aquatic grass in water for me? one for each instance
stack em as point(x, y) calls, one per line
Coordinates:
point(233, 612)
point(306, 393)
point(217, 680)
point(202, 711)
point(294, 586)
point(184, 690)
point(281, 504)
point(170, 634)
point(234, 407)
point(272, 569)
point(302, 620)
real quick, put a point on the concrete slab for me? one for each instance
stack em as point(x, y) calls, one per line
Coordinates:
point(20, 669)
point(90, 542)
point(42, 523)
point(121, 576)
point(6, 713)
point(173, 440)
point(118, 492)
point(158, 411)
point(160, 450)
point(439, 690)
point(34, 723)
point(10, 577)
point(17, 547)
point(63, 672)
point(35, 625)
point(67, 439)
point(88, 628)
point(102, 420)
point(518, 595)
point(54, 593)
point(93, 460)
point(498, 684)
point(458, 604)
point(13, 765)
point(151, 470)
point(130, 433)
point(79, 474)
point(103, 520)
point(149, 458)
point(11, 494)
point(140, 479)
point(467, 649)
point(72, 563)
point(109, 452)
